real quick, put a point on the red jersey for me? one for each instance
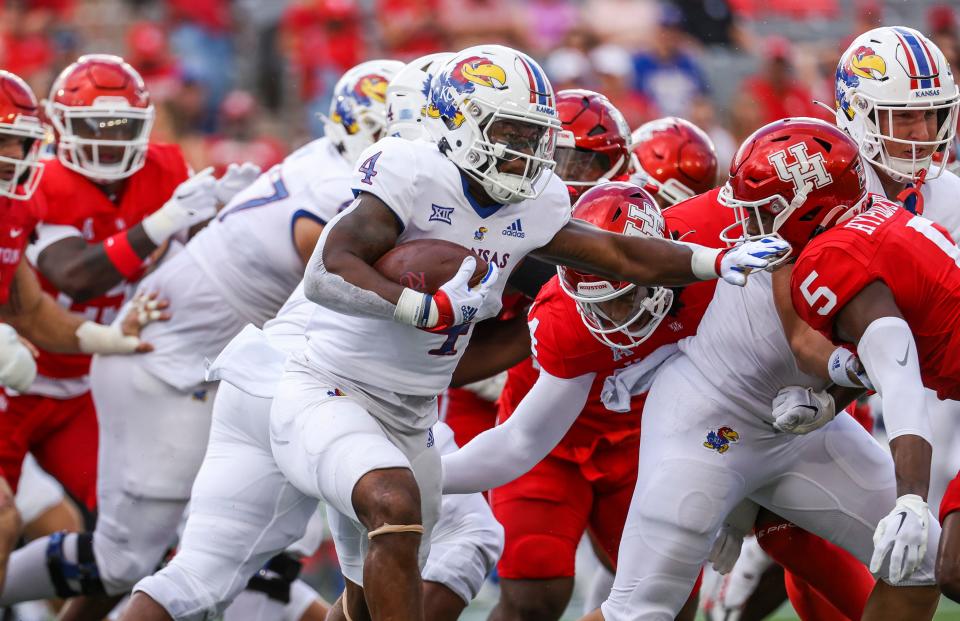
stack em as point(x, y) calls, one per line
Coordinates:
point(17, 220)
point(73, 200)
point(563, 347)
point(914, 257)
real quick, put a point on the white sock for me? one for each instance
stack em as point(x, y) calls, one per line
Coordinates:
point(27, 575)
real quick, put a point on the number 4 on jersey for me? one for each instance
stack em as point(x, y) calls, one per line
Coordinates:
point(367, 168)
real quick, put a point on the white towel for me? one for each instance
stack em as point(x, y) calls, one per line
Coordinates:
point(634, 379)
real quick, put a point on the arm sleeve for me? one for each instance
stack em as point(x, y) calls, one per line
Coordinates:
point(333, 292)
point(45, 236)
point(824, 280)
point(889, 353)
point(500, 455)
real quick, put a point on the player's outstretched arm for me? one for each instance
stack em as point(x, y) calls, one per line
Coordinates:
point(340, 273)
point(84, 271)
point(653, 261)
point(38, 318)
point(505, 452)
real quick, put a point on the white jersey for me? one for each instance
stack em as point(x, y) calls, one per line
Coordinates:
point(244, 264)
point(941, 198)
point(740, 346)
point(428, 195)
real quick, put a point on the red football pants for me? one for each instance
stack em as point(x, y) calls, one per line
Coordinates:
point(545, 512)
point(831, 571)
point(61, 434)
point(466, 413)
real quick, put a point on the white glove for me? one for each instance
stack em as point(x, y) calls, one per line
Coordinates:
point(843, 365)
point(902, 533)
point(18, 367)
point(737, 262)
point(799, 410)
point(726, 549)
point(194, 201)
point(237, 178)
point(454, 304)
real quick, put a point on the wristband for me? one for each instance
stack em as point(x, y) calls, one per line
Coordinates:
point(122, 255)
point(705, 262)
point(94, 338)
point(417, 309)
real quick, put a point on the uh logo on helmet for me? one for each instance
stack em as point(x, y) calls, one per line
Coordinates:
point(863, 62)
point(461, 80)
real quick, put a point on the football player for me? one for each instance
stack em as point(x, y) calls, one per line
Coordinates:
point(673, 159)
point(365, 411)
point(582, 330)
point(105, 180)
point(23, 306)
point(240, 490)
point(155, 413)
point(897, 97)
point(709, 437)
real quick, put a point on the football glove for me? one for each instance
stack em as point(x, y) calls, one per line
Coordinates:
point(734, 264)
point(902, 534)
point(843, 365)
point(455, 303)
point(799, 410)
point(726, 549)
point(236, 178)
point(194, 201)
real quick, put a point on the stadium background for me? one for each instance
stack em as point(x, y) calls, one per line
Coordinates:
point(237, 80)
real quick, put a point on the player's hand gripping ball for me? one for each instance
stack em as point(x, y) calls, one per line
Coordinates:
point(445, 285)
point(425, 265)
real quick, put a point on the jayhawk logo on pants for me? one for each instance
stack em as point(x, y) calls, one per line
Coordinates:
point(720, 439)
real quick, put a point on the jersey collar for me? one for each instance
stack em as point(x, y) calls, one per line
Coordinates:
point(482, 211)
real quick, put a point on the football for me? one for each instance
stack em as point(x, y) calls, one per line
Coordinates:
point(426, 264)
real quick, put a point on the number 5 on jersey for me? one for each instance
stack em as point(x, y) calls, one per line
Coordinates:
point(821, 292)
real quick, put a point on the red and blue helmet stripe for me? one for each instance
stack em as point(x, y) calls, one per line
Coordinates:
point(922, 65)
point(540, 91)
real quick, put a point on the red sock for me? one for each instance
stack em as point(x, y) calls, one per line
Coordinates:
point(833, 572)
point(810, 605)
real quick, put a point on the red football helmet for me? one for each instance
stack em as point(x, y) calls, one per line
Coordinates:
point(20, 118)
point(593, 144)
point(675, 158)
point(619, 314)
point(793, 178)
point(102, 113)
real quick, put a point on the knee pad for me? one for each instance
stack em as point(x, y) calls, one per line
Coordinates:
point(275, 577)
point(73, 578)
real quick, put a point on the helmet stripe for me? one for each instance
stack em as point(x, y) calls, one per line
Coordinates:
point(529, 79)
point(933, 62)
point(542, 97)
point(910, 64)
point(916, 54)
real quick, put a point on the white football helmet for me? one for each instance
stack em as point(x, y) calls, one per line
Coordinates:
point(358, 110)
point(490, 105)
point(883, 72)
point(407, 96)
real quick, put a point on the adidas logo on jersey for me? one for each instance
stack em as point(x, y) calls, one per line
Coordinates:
point(514, 230)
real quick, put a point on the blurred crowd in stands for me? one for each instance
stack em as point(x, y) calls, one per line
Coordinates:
point(244, 79)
